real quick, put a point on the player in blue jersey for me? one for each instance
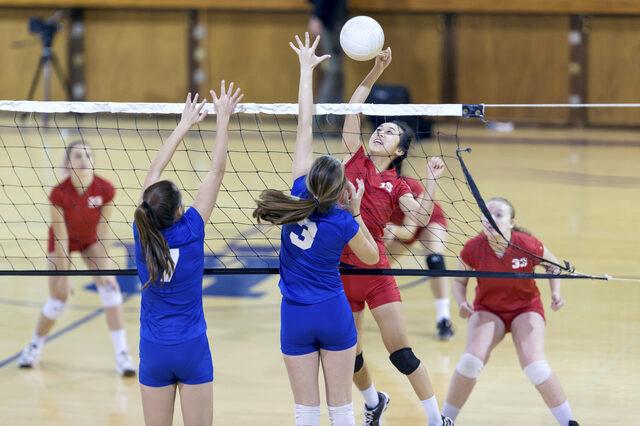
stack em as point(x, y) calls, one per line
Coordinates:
point(320, 217)
point(169, 249)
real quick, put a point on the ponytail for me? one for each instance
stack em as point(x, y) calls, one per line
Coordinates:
point(158, 210)
point(279, 208)
point(325, 182)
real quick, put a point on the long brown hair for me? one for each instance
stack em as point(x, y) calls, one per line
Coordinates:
point(158, 209)
point(513, 213)
point(326, 182)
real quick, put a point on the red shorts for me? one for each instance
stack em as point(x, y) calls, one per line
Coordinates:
point(437, 217)
point(375, 290)
point(507, 317)
point(74, 245)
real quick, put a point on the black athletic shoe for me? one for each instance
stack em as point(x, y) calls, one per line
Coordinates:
point(372, 415)
point(446, 421)
point(573, 423)
point(445, 329)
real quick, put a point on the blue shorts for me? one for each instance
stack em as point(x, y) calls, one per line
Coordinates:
point(187, 362)
point(325, 325)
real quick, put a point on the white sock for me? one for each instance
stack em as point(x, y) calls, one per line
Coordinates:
point(370, 396)
point(38, 340)
point(119, 340)
point(450, 411)
point(562, 413)
point(307, 415)
point(433, 412)
point(342, 416)
point(443, 310)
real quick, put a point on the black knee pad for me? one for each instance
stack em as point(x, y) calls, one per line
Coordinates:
point(435, 262)
point(405, 361)
point(359, 363)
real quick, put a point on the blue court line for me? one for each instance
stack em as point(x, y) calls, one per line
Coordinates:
point(77, 323)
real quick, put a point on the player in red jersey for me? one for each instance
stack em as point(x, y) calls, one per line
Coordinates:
point(401, 233)
point(80, 210)
point(385, 191)
point(506, 305)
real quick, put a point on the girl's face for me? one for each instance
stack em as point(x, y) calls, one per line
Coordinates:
point(385, 140)
point(501, 214)
point(81, 159)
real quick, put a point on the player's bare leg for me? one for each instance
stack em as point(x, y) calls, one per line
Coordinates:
point(484, 331)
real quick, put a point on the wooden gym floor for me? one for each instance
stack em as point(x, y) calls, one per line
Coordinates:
point(577, 190)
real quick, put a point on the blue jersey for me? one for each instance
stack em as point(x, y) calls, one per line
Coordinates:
point(171, 311)
point(310, 252)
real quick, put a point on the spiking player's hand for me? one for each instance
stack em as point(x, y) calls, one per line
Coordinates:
point(228, 100)
point(193, 112)
point(307, 53)
point(383, 59)
point(435, 168)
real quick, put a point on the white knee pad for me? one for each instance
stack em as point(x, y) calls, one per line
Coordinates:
point(538, 372)
point(110, 297)
point(307, 415)
point(469, 366)
point(53, 308)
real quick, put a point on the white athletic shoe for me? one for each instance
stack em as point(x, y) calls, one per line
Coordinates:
point(124, 365)
point(30, 356)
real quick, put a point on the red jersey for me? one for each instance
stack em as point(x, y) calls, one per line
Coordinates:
point(381, 197)
point(499, 294)
point(82, 212)
point(437, 215)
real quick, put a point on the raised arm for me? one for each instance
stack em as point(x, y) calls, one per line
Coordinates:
point(303, 151)
point(351, 128)
point(419, 211)
point(210, 186)
point(192, 114)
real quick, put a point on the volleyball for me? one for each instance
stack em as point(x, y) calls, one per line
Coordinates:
point(362, 38)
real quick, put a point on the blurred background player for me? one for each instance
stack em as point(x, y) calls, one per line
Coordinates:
point(169, 249)
point(402, 233)
point(315, 322)
point(80, 210)
point(506, 305)
point(326, 21)
point(385, 191)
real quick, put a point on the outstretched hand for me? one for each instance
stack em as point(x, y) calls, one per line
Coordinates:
point(355, 196)
point(435, 168)
point(306, 52)
point(227, 101)
point(193, 112)
point(383, 59)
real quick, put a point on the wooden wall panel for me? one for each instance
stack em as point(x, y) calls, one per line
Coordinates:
point(415, 41)
point(614, 61)
point(252, 49)
point(514, 59)
point(20, 52)
point(136, 56)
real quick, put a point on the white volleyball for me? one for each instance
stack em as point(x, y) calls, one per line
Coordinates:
point(362, 38)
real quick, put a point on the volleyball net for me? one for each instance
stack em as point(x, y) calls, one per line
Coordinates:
point(125, 137)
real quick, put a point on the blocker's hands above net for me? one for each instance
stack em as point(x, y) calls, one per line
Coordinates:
point(307, 53)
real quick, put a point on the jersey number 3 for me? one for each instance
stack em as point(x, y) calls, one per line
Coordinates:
point(304, 239)
point(175, 255)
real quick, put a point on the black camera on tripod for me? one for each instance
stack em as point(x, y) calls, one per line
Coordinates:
point(45, 29)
